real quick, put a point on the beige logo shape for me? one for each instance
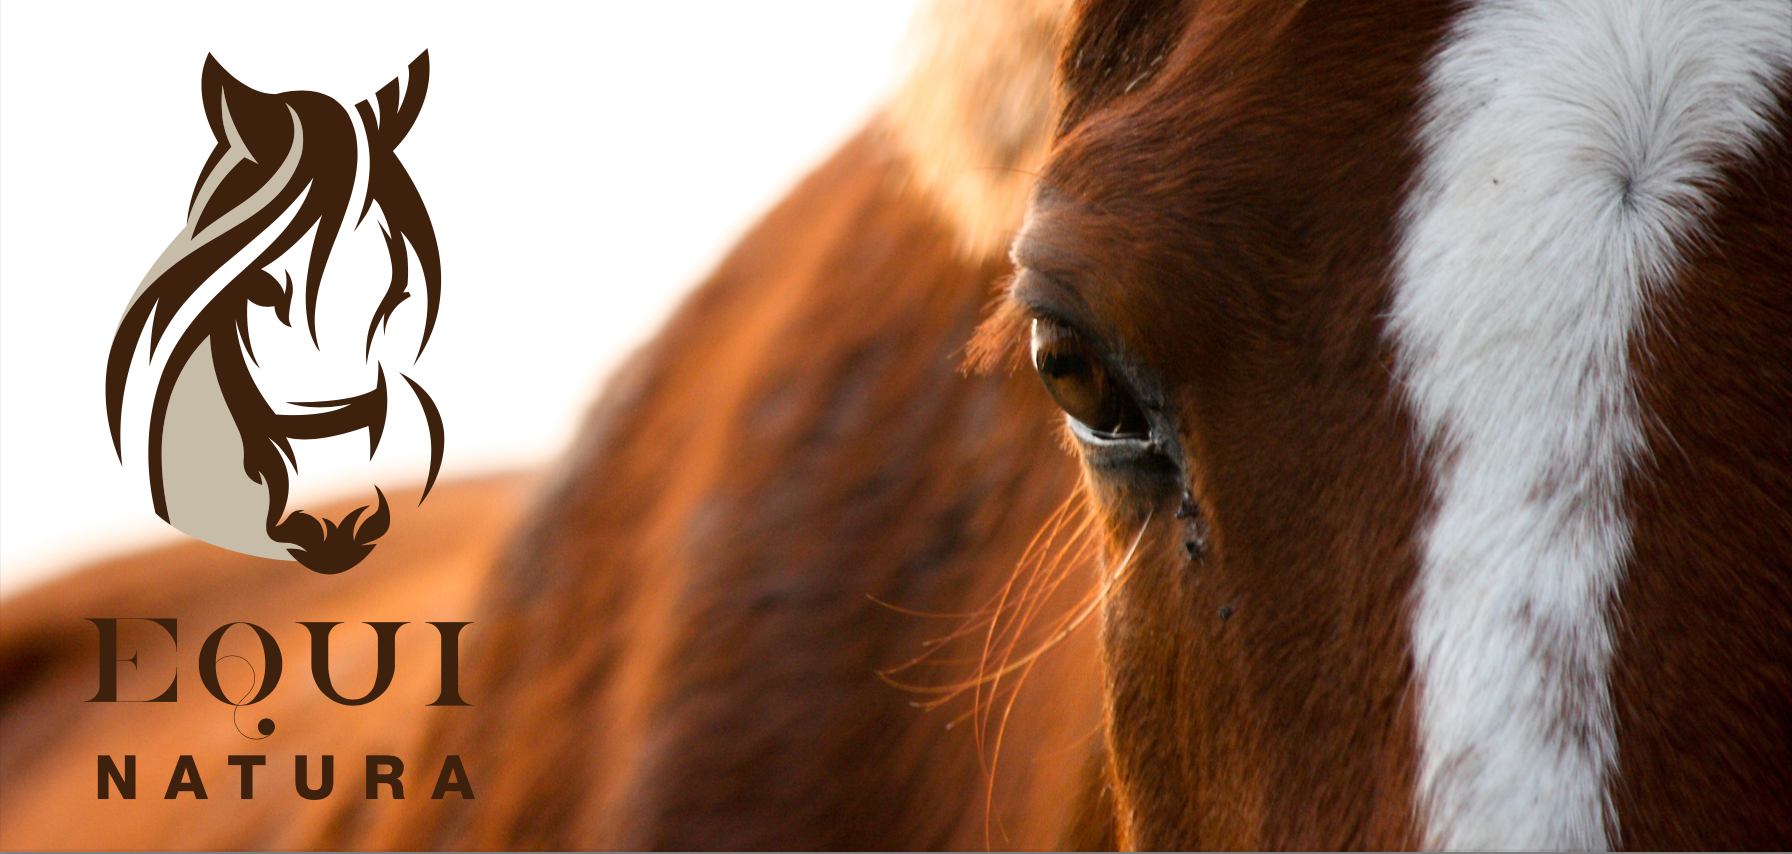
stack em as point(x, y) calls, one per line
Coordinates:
point(237, 343)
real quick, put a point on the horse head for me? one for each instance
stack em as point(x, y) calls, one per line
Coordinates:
point(1362, 318)
point(233, 347)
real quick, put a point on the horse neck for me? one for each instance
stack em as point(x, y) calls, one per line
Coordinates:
point(698, 600)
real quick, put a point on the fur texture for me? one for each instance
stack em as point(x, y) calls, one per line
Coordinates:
point(1426, 303)
point(1570, 150)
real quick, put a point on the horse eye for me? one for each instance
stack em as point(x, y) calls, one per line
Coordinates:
point(1083, 385)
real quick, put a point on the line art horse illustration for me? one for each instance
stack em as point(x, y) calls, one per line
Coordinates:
point(232, 348)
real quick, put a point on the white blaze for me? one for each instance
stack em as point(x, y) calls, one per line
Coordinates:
point(1568, 153)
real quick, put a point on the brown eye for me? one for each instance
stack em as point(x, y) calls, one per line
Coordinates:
point(1083, 385)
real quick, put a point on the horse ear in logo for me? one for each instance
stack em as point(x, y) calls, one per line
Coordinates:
point(254, 121)
point(258, 126)
point(396, 115)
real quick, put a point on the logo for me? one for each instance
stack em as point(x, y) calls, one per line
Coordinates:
point(268, 324)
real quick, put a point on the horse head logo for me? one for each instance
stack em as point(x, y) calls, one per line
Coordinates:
point(236, 343)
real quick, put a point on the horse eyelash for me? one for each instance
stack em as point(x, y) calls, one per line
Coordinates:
point(1001, 338)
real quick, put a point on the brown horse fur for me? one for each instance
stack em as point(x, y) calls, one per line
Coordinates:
point(757, 496)
point(1248, 704)
point(1703, 682)
point(709, 631)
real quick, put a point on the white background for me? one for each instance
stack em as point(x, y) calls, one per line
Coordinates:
point(583, 166)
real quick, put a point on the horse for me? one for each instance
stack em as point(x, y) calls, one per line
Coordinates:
point(686, 633)
point(1425, 362)
point(213, 420)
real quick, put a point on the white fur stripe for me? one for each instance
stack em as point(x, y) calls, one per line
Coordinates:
point(1568, 150)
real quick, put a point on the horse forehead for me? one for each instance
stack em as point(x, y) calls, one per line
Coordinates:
point(1257, 162)
point(1230, 101)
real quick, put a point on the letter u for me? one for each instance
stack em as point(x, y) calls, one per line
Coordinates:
point(300, 775)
